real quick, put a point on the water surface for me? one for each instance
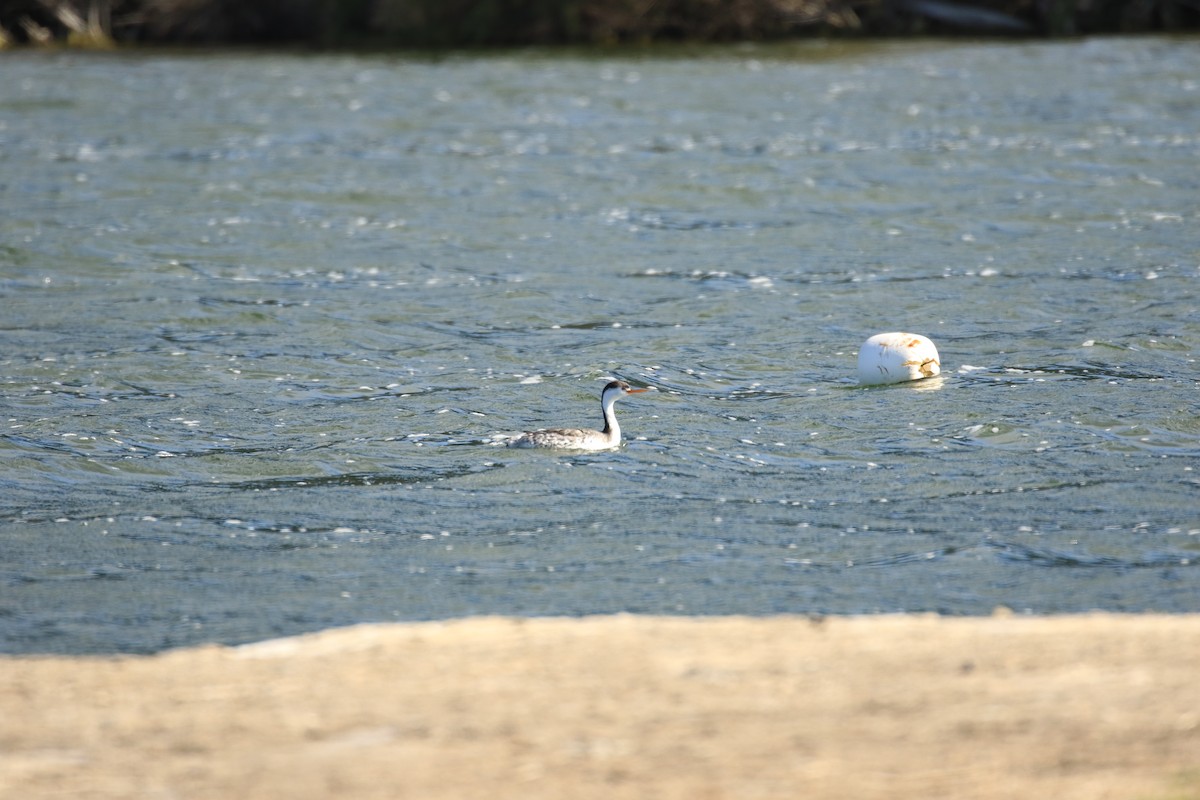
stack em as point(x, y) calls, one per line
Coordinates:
point(263, 315)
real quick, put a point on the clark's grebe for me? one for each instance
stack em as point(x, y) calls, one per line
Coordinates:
point(896, 358)
point(583, 438)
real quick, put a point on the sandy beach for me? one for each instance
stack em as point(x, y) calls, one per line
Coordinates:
point(1094, 706)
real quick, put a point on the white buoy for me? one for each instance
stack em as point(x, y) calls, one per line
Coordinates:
point(896, 358)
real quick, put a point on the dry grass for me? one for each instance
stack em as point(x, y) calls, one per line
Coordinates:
point(1071, 708)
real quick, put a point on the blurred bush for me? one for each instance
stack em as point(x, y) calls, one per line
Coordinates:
point(467, 23)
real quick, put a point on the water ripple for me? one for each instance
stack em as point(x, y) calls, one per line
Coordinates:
point(1048, 557)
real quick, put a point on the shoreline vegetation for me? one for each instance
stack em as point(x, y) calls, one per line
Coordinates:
point(437, 24)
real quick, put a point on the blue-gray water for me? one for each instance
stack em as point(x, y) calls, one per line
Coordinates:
point(260, 316)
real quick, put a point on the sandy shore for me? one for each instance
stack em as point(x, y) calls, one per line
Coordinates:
point(1096, 706)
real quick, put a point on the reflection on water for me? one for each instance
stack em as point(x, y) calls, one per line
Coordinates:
point(264, 317)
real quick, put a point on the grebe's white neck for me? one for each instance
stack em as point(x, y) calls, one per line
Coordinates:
point(612, 393)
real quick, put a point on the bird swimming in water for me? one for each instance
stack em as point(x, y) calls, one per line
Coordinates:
point(583, 438)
